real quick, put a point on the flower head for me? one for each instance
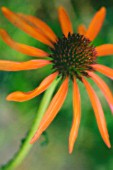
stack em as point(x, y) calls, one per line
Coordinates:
point(73, 56)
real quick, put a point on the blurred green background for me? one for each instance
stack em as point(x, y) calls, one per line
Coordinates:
point(16, 118)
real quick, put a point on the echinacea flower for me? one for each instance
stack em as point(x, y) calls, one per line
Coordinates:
point(73, 57)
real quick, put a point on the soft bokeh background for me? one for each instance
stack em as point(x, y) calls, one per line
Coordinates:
point(16, 118)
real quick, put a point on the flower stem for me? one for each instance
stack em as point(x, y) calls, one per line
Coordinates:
point(26, 146)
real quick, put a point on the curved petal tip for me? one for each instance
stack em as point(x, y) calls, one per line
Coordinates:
point(70, 150)
point(103, 9)
point(15, 96)
point(109, 145)
point(35, 137)
point(61, 7)
point(3, 9)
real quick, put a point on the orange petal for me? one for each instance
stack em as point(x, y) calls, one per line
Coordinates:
point(105, 89)
point(82, 29)
point(38, 23)
point(65, 21)
point(105, 49)
point(96, 24)
point(98, 112)
point(104, 70)
point(25, 49)
point(20, 23)
point(77, 116)
point(52, 110)
point(21, 96)
point(7, 65)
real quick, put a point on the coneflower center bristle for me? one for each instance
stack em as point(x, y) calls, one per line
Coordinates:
point(73, 56)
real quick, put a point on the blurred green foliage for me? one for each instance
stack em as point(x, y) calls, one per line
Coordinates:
point(17, 118)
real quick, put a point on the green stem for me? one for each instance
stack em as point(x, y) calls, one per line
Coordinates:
point(26, 146)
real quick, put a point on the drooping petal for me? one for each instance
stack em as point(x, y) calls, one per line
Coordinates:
point(76, 117)
point(38, 23)
point(104, 70)
point(104, 87)
point(25, 49)
point(20, 23)
point(96, 24)
point(65, 21)
point(101, 122)
point(105, 49)
point(52, 110)
point(82, 29)
point(22, 96)
point(6, 65)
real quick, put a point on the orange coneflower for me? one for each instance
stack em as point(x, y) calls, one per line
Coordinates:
point(72, 57)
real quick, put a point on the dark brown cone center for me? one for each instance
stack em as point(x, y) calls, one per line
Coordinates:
point(73, 55)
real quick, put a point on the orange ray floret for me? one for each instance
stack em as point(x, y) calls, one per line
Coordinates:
point(96, 24)
point(65, 21)
point(38, 23)
point(105, 49)
point(25, 49)
point(20, 23)
point(77, 116)
point(82, 29)
point(104, 70)
point(98, 112)
point(7, 65)
point(22, 96)
point(52, 110)
point(105, 89)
